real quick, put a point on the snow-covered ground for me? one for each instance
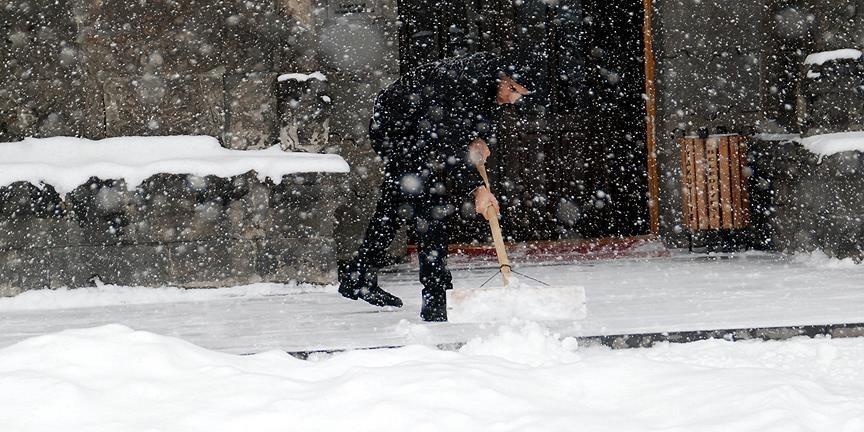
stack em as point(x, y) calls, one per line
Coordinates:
point(114, 295)
point(678, 293)
point(183, 373)
point(522, 378)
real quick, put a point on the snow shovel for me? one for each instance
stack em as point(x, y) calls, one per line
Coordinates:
point(514, 298)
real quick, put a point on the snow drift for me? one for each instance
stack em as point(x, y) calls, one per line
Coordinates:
point(524, 379)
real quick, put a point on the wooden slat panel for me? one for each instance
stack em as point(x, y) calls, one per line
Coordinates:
point(701, 186)
point(744, 221)
point(694, 195)
point(735, 181)
point(714, 182)
point(711, 146)
point(684, 148)
point(690, 185)
point(725, 188)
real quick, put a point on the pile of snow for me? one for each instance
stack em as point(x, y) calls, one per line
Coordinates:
point(829, 144)
point(518, 300)
point(115, 379)
point(525, 342)
point(819, 58)
point(67, 162)
point(819, 259)
point(302, 77)
point(413, 333)
point(113, 295)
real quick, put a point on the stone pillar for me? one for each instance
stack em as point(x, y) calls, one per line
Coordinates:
point(41, 81)
point(833, 96)
point(304, 106)
point(252, 117)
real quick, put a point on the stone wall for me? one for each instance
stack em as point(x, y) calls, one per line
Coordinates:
point(741, 67)
point(112, 67)
point(174, 229)
point(806, 203)
point(833, 97)
point(104, 68)
point(810, 202)
point(360, 51)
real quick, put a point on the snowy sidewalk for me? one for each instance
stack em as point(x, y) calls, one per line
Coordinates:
point(677, 294)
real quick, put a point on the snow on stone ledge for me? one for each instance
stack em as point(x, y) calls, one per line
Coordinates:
point(66, 162)
point(825, 56)
point(302, 77)
point(829, 144)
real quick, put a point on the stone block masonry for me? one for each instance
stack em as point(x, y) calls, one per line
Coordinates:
point(742, 67)
point(804, 202)
point(114, 68)
point(111, 68)
point(118, 68)
point(172, 230)
point(833, 94)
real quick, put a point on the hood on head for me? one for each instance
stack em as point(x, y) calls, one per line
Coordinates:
point(486, 69)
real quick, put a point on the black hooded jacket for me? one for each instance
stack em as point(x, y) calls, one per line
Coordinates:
point(427, 119)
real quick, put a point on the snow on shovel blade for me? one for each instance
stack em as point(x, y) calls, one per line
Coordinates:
point(514, 299)
point(518, 300)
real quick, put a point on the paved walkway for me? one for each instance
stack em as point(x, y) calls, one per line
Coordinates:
point(626, 296)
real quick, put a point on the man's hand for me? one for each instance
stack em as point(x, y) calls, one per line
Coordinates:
point(478, 151)
point(483, 199)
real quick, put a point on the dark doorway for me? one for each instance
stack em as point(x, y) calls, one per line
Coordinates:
point(572, 160)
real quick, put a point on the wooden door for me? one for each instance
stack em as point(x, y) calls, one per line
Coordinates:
point(571, 162)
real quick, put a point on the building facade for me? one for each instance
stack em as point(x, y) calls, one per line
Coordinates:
point(593, 154)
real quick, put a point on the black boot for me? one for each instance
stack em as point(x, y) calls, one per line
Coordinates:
point(434, 305)
point(355, 283)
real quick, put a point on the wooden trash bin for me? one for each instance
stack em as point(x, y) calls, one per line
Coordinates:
point(714, 183)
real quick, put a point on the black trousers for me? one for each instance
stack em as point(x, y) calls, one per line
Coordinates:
point(419, 199)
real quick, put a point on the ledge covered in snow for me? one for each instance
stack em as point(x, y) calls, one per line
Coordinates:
point(829, 144)
point(826, 56)
point(302, 77)
point(66, 162)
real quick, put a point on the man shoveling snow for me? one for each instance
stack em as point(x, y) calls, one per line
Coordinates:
point(431, 128)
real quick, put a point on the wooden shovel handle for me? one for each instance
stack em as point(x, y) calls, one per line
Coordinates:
point(497, 237)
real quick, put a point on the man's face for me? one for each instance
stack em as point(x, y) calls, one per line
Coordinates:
point(509, 91)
